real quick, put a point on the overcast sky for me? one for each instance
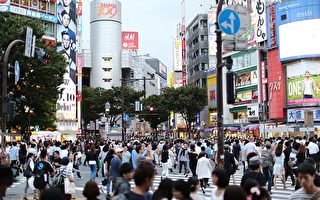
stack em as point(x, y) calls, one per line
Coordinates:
point(155, 20)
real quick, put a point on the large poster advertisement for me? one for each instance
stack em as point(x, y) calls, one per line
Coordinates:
point(66, 29)
point(303, 82)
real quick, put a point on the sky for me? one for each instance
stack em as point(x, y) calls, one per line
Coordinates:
point(155, 20)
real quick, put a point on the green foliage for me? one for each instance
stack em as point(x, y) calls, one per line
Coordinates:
point(38, 82)
point(94, 100)
point(159, 114)
point(187, 101)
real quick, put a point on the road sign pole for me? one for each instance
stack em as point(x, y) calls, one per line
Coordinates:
point(219, 87)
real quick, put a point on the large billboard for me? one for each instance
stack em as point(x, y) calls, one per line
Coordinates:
point(276, 86)
point(302, 15)
point(66, 35)
point(163, 70)
point(177, 54)
point(212, 89)
point(130, 41)
point(303, 82)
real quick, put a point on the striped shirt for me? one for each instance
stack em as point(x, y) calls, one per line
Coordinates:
point(65, 170)
point(301, 194)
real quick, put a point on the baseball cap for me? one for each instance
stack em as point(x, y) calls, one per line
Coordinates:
point(119, 150)
point(255, 160)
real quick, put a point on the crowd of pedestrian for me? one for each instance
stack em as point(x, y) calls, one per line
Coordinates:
point(52, 165)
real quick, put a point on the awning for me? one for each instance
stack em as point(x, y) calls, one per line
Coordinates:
point(252, 127)
point(232, 128)
point(249, 88)
point(242, 71)
point(208, 130)
point(238, 108)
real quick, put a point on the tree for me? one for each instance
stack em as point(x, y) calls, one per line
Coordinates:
point(37, 92)
point(94, 100)
point(155, 110)
point(187, 101)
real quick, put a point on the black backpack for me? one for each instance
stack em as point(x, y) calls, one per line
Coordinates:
point(39, 176)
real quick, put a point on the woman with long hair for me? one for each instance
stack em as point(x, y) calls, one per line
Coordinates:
point(302, 152)
point(164, 190)
point(193, 157)
point(28, 173)
point(278, 168)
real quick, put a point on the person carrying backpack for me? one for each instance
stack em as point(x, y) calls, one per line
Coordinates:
point(28, 173)
point(267, 157)
point(42, 170)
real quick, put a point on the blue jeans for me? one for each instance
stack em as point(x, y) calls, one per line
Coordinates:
point(268, 174)
point(108, 183)
point(185, 164)
point(93, 171)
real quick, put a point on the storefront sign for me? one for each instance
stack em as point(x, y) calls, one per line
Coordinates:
point(260, 21)
point(108, 9)
point(130, 41)
point(33, 14)
point(271, 27)
point(275, 84)
point(253, 111)
point(298, 115)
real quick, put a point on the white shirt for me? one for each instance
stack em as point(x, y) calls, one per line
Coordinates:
point(213, 195)
point(249, 147)
point(63, 153)
point(313, 148)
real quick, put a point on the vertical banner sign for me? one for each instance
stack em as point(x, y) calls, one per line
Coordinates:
point(79, 63)
point(184, 59)
point(177, 55)
point(264, 81)
point(66, 35)
point(16, 72)
point(28, 42)
point(271, 24)
point(261, 28)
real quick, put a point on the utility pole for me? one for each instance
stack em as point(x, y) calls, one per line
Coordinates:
point(4, 97)
point(219, 86)
point(123, 130)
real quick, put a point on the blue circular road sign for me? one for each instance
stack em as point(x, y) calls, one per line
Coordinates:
point(229, 21)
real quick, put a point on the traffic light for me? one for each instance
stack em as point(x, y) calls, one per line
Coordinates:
point(230, 81)
point(42, 55)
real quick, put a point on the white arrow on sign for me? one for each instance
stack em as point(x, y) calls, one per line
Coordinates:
point(225, 24)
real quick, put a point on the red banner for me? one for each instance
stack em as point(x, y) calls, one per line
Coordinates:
point(130, 41)
point(276, 86)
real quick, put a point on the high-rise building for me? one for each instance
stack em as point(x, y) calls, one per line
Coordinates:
point(105, 42)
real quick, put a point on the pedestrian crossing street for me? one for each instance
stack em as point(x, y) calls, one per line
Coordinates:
point(279, 194)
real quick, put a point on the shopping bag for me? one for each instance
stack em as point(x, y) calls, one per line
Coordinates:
point(69, 187)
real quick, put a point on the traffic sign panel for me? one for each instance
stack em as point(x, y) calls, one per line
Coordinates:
point(229, 21)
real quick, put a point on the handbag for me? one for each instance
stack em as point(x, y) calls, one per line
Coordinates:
point(69, 187)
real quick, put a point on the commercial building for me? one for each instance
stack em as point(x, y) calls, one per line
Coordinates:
point(105, 41)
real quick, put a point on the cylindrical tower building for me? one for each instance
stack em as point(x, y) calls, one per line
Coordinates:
point(105, 38)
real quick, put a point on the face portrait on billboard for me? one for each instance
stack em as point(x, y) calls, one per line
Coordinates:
point(65, 40)
point(65, 17)
point(66, 3)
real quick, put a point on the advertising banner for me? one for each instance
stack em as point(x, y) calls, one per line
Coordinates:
point(177, 54)
point(4, 5)
point(303, 82)
point(302, 15)
point(298, 115)
point(66, 35)
point(130, 41)
point(212, 89)
point(276, 86)
point(107, 10)
point(163, 70)
point(212, 32)
point(245, 79)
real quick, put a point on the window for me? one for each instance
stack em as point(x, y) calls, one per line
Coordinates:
point(43, 5)
point(52, 7)
point(204, 66)
point(204, 23)
point(25, 2)
point(107, 79)
point(204, 51)
point(49, 29)
point(15, 1)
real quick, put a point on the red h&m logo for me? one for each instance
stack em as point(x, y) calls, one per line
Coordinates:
point(130, 41)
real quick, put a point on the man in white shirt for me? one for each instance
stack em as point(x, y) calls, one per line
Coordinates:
point(250, 147)
point(314, 150)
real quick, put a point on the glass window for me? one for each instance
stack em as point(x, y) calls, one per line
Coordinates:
point(15, 1)
point(49, 29)
point(43, 5)
point(25, 2)
point(52, 7)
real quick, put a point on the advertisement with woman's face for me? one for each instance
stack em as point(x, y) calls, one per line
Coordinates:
point(303, 82)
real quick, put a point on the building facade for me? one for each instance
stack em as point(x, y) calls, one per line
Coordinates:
point(105, 42)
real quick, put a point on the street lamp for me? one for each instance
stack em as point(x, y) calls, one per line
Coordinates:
point(107, 110)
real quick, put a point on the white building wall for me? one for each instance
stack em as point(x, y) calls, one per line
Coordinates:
point(105, 41)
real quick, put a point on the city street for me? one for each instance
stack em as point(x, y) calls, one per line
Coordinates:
point(16, 190)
